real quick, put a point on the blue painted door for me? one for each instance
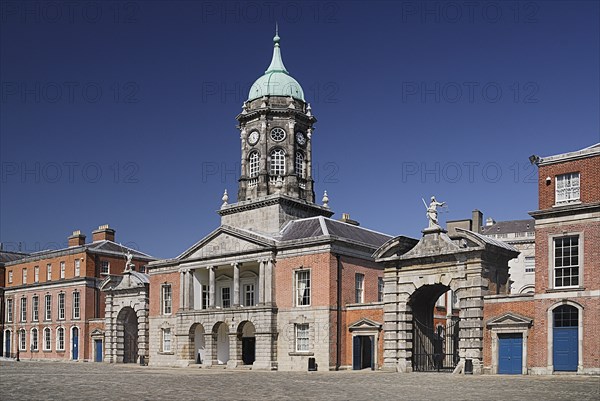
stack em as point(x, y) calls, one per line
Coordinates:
point(510, 354)
point(98, 344)
point(565, 349)
point(7, 347)
point(75, 344)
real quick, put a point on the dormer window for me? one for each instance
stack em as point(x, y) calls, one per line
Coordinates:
point(567, 188)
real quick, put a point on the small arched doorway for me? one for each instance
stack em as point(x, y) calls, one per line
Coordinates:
point(74, 343)
point(199, 346)
point(7, 344)
point(127, 324)
point(565, 341)
point(247, 333)
point(435, 334)
point(222, 344)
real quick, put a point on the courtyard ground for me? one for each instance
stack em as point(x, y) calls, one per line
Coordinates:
point(28, 380)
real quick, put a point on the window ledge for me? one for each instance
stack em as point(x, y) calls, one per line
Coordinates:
point(166, 353)
point(567, 203)
point(565, 289)
point(301, 353)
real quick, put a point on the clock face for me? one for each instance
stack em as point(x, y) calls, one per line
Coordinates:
point(253, 138)
point(300, 138)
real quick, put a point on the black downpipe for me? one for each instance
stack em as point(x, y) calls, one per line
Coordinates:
point(338, 347)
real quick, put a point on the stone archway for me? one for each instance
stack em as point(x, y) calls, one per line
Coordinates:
point(246, 338)
point(198, 343)
point(434, 344)
point(127, 335)
point(221, 343)
point(418, 272)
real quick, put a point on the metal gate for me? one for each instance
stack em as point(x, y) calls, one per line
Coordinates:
point(434, 349)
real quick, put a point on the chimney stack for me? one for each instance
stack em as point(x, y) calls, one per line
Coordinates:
point(103, 233)
point(477, 220)
point(77, 239)
point(346, 219)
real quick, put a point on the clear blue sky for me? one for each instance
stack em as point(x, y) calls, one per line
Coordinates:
point(124, 113)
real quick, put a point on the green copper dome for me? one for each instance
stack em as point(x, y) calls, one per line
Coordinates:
point(277, 81)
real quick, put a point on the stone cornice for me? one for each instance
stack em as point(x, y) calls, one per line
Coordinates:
point(271, 200)
point(566, 210)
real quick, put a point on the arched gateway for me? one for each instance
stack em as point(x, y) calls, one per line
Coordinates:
point(416, 274)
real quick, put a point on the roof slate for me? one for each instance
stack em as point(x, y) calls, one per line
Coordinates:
point(510, 226)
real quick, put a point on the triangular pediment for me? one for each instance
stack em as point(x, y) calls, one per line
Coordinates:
point(227, 240)
point(510, 320)
point(365, 324)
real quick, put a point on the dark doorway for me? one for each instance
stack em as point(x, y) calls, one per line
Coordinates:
point(75, 343)
point(248, 350)
point(128, 322)
point(247, 334)
point(363, 352)
point(98, 346)
point(434, 344)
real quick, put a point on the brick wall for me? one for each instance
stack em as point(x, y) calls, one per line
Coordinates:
point(351, 316)
point(589, 183)
point(156, 281)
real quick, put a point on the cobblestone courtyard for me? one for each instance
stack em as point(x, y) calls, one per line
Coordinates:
point(93, 381)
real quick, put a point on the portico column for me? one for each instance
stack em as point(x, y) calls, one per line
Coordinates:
point(261, 283)
point(236, 284)
point(190, 289)
point(211, 287)
point(181, 289)
point(269, 282)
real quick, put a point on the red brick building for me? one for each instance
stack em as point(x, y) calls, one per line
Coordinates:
point(53, 304)
point(557, 328)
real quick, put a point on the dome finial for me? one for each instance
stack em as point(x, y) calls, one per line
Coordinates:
point(276, 39)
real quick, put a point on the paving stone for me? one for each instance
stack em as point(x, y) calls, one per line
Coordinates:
point(27, 380)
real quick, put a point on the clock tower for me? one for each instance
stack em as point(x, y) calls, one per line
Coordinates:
point(276, 127)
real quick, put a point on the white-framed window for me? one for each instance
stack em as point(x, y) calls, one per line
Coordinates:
point(23, 309)
point(225, 297)
point(35, 305)
point(9, 310)
point(167, 299)
point(249, 295)
point(22, 340)
point(48, 307)
point(61, 306)
point(253, 164)
point(567, 188)
point(76, 302)
point(34, 339)
point(105, 267)
point(302, 337)
point(359, 288)
point(77, 267)
point(441, 301)
point(36, 274)
point(10, 277)
point(48, 272)
point(380, 289)
point(24, 276)
point(60, 339)
point(302, 286)
point(566, 261)
point(62, 269)
point(278, 134)
point(529, 264)
point(205, 296)
point(47, 339)
point(277, 165)
point(299, 164)
point(166, 340)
